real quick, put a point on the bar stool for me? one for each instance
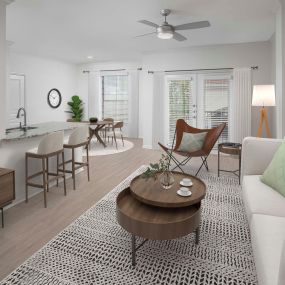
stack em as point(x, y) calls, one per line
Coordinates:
point(78, 138)
point(50, 146)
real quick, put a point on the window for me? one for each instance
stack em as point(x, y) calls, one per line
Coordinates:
point(115, 97)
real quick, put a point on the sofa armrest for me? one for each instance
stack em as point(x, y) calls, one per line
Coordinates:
point(257, 153)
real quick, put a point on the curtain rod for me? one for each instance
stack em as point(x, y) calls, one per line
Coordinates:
point(111, 70)
point(206, 69)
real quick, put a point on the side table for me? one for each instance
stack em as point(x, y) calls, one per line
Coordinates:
point(232, 149)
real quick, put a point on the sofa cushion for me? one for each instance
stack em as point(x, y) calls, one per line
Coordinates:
point(274, 175)
point(259, 198)
point(267, 236)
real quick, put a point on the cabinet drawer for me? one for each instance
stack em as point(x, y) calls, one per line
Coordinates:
point(7, 188)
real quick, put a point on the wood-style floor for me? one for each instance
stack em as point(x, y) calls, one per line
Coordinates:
point(30, 226)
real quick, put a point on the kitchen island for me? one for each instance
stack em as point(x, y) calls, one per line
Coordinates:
point(17, 142)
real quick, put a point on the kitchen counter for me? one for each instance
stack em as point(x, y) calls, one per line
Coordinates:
point(39, 130)
point(16, 143)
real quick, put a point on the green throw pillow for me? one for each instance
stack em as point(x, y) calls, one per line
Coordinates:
point(192, 142)
point(274, 175)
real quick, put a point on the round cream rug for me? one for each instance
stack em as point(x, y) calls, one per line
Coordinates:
point(99, 149)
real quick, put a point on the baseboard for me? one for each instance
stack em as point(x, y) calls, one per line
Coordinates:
point(147, 146)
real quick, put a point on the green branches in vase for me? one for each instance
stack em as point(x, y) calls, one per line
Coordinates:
point(155, 168)
point(76, 108)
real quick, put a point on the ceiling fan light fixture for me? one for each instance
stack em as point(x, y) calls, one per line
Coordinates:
point(165, 36)
point(165, 32)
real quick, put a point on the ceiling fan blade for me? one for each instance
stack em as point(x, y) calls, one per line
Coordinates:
point(194, 25)
point(148, 23)
point(144, 35)
point(179, 37)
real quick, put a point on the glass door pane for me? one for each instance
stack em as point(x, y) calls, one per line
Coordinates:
point(181, 103)
point(214, 97)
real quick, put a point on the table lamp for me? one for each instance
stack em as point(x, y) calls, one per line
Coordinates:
point(264, 96)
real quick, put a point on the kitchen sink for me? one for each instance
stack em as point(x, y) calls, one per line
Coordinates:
point(18, 129)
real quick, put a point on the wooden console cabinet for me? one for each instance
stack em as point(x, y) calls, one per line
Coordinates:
point(7, 189)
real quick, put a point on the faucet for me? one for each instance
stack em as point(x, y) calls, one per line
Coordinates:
point(25, 116)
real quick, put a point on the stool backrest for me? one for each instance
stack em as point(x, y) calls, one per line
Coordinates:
point(79, 136)
point(51, 143)
point(109, 120)
point(118, 125)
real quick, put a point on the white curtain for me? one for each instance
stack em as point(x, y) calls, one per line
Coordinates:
point(133, 120)
point(158, 112)
point(94, 95)
point(241, 104)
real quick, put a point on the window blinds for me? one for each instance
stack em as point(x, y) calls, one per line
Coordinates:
point(216, 104)
point(115, 97)
point(180, 103)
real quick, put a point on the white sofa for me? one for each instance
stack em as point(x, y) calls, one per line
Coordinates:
point(265, 209)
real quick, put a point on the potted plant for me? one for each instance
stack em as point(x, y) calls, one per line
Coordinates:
point(76, 108)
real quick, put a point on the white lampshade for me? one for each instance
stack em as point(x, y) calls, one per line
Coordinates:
point(263, 95)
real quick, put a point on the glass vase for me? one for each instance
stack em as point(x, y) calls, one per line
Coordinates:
point(166, 179)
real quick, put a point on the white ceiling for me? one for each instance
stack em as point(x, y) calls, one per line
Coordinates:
point(72, 29)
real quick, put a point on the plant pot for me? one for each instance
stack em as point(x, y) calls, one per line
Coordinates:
point(93, 120)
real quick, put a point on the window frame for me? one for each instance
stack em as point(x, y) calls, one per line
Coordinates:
point(117, 74)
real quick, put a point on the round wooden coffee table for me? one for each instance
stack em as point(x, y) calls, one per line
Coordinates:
point(147, 210)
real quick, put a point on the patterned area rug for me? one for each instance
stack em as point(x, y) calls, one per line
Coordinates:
point(94, 249)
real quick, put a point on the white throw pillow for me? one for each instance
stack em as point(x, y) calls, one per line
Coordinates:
point(192, 142)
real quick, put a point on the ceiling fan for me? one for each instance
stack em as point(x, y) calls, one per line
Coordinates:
point(167, 31)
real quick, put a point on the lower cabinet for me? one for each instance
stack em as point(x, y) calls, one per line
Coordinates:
point(7, 189)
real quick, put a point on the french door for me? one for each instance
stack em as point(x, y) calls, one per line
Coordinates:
point(202, 100)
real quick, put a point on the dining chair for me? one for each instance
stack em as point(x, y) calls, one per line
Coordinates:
point(116, 131)
point(107, 127)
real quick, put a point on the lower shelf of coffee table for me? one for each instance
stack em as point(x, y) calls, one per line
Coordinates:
point(156, 223)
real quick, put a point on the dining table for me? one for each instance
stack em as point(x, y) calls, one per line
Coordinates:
point(99, 125)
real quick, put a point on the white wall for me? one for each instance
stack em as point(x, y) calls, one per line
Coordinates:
point(41, 75)
point(274, 111)
point(2, 67)
point(277, 46)
point(281, 58)
point(218, 56)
